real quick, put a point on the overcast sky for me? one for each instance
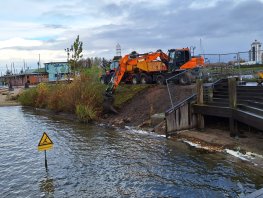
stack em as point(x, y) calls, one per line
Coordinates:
point(47, 27)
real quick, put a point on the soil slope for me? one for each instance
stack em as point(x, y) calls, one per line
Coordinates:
point(148, 102)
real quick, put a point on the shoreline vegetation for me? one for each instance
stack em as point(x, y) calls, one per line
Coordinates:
point(82, 97)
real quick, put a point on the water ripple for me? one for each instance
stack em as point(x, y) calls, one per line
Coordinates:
point(92, 161)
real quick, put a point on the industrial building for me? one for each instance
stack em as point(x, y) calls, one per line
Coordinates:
point(57, 71)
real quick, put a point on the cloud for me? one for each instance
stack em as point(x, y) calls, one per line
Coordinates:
point(19, 42)
point(55, 26)
point(142, 25)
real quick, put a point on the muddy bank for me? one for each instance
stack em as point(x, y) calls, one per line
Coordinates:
point(148, 102)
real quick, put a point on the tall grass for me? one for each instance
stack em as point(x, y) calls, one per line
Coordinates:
point(28, 97)
point(84, 96)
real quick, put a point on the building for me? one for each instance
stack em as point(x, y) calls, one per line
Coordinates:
point(255, 54)
point(57, 71)
point(30, 76)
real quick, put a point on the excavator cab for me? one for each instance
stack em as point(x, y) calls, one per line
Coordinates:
point(178, 57)
point(109, 67)
point(114, 65)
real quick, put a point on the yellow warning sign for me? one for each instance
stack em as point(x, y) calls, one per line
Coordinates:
point(45, 143)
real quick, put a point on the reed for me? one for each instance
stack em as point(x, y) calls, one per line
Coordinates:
point(84, 97)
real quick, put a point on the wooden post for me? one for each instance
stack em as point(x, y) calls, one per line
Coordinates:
point(232, 93)
point(200, 101)
point(210, 94)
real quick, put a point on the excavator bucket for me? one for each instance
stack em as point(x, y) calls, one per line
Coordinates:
point(108, 104)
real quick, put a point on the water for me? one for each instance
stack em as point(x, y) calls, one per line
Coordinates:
point(93, 161)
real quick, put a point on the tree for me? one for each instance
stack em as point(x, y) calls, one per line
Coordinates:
point(76, 49)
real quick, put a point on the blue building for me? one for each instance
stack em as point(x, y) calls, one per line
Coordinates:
point(57, 70)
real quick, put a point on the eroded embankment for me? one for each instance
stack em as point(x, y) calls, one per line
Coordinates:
point(155, 99)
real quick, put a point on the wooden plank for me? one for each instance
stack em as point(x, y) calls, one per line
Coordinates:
point(177, 120)
point(225, 112)
point(249, 119)
point(184, 117)
point(171, 122)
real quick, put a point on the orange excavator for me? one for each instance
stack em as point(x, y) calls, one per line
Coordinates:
point(138, 67)
point(134, 67)
point(151, 67)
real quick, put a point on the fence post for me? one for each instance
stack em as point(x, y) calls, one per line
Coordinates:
point(239, 68)
point(200, 101)
point(232, 92)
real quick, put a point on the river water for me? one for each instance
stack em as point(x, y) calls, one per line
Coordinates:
point(94, 161)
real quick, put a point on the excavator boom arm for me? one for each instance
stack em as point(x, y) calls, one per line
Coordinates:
point(118, 75)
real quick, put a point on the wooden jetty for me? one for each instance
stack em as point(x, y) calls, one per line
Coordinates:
point(225, 98)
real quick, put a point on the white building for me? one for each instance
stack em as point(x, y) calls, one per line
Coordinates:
point(255, 54)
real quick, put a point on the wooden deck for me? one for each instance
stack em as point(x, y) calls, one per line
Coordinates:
point(225, 98)
point(242, 103)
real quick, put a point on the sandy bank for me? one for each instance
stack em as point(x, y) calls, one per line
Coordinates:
point(7, 98)
point(248, 148)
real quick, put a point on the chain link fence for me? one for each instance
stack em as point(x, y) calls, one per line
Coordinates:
point(179, 87)
point(242, 64)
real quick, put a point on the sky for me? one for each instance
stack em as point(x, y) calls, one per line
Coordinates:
point(47, 27)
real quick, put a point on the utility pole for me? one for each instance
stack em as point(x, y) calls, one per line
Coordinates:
point(192, 48)
point(24, 66)
point(38, 66)
point(68, 50)
point(6, 69)
point(14, 72)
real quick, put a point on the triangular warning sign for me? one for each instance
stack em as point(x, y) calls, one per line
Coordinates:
point(45, 143)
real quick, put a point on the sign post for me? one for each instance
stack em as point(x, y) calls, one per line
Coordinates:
point(45, 144)
point(46, 159)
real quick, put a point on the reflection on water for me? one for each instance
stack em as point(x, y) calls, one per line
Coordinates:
point(46, 186)
point(92, 161)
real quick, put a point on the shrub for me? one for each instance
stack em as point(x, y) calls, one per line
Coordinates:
point(84, 96)
point(87, 91)
point(86, 112)
point(56, 98)
point(42, 95)
point(28, 97)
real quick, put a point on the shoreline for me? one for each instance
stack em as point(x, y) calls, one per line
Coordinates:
point(249, 148)
point(9, 98)
point(10, 104)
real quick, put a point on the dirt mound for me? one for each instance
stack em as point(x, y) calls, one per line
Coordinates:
point(148, 102)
